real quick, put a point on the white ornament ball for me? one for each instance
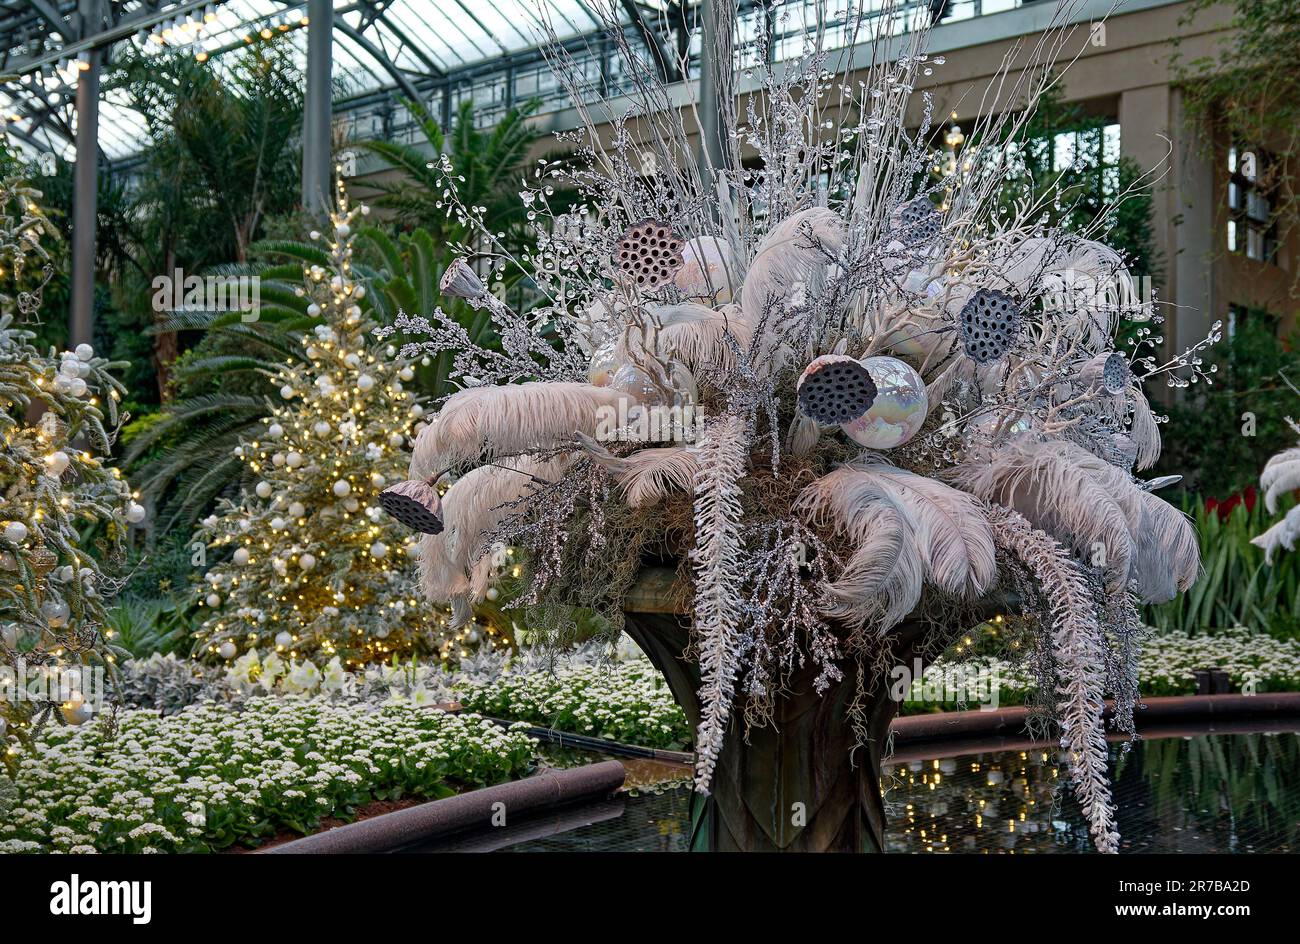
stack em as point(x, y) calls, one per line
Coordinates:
point(213, 600)
point(343, 230)
point(56, 462)
point(306, 561)
point(263, 489)
point(277, 460)
point(899, 409)
point(227, 650)
point(287, 392)
point(135, 513)
point(396, 440)
point(15, 532)
point(278, 523)
point(406, 373)
point(365, 382)
point(352, 360)
point(76, 711)
point(342, 488)
point(293, 460)
point(321, 429)
point(84, 352)
point(55, 612)
point(284, 639)
point(77, 387)
point(379, 550)
point(492, 593)
point(275, 431)
point(297, 510)
point(382, 632)
point(417, 411)
point(64, 573)
point(313, 310)
point(377, 479)
point(71, 367)
point(312, 351)
point(351, 504)
point(241, 556)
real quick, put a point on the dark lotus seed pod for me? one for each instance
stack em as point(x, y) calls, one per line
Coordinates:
point(414, 504)
point(1107, 372)
point(649, 254)
point(835, 389)
point(917, 221)
point(988, 325)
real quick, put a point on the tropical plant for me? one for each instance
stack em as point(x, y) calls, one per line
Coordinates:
point(489, 164)
point(1236, 587)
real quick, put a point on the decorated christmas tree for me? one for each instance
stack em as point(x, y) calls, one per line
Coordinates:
point(64, 514)
point(306, 562)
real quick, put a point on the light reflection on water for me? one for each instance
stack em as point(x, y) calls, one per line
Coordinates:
point(1208, 793)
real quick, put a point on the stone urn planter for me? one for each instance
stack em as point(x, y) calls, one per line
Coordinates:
point(803, 783)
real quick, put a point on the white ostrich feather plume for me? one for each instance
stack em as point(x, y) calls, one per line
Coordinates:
point(482, 423)
point(648, 476)
point(1095, 508)
point(907, 528)
point(1281, 476)
point(451, 568)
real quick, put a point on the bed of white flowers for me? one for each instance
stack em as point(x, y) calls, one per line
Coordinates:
point(209, 776)
point(1255, 662)
point(628, 702)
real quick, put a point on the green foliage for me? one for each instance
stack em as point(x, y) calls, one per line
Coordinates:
point(143, 627)
point(488, 163)
point(1237, 588)
point(1207, 439)
point(1249, 89)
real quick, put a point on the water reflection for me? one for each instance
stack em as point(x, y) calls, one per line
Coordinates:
point(1177, 793)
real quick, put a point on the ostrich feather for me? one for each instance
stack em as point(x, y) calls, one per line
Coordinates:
point(694, 336)
point(1283, 534)
point(648, 476)
point(1093, 507)
point(1281, 475)
point(473, 506)
point(882, 581)
point(787, 256)
point(1144, 431)
point(952, 538)
point(802, 436)
point(1079, 649)
point(716, 560)
point(485, 422)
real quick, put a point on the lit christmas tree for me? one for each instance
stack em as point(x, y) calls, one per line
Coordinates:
point(64, 514)
point(310, 565)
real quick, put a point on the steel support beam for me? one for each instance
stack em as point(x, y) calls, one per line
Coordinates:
point(316, 150)
point(718, 18)
point(85, 188)
point(664, 62)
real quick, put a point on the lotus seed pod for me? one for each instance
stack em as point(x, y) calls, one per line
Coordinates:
point(414, 504)
point(649, 254)
point(1108, 373)
point(459, 281)
point(988, 325)
point(835, 389)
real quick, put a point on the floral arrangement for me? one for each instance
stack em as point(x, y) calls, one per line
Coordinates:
point(852, 398)
point(208, 777)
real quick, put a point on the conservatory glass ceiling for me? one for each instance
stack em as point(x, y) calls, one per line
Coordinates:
point(428, 43)
point(419, 37)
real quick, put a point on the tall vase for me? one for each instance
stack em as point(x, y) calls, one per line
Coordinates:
point(800, 784)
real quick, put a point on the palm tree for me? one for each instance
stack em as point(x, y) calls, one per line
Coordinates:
point(491, 162)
